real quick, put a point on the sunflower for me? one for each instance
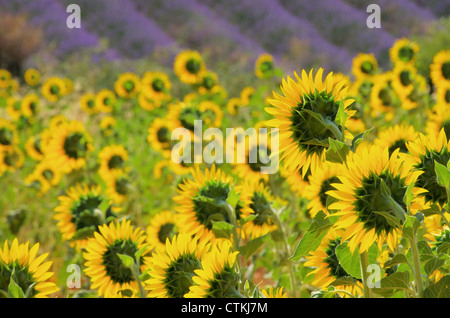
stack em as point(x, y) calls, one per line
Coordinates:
point(306, 118)
point(396, 137)
point(12, 158)
point(119, 186)
point(403, 79)
point(362, 88)
point(364, 65)
point(14, 108)
point(404, 51)
point(173, 265)
point(163, 225)
point(88, 105)
point(233, 105)
point(188, 66)
point(320, 182)
point(424, 151)
point(5, 78)
point(257, 157)
point(107, 126)
point(156, 85)
point(21, 264)
point(440, 68)
point(184, 115)
point(159, 135)
point(8, 134)
point(383, 98)
point(219, 276)
point(105, 100)
point(37, 182)
point(148, 103)
point(274, 293)
point(247, 94)
point(207, 82)
point(53, 89)
point(32, 77)
point(297, 183)
point(128, 85)
point(69, 146)
point(49, 172)
point(438, 118)
point(29, 105)
point(372, 183)
point(328, 269)
point(443, 94)
point(111, 158)
point(81, 211)
point(264, 66)
point(212, 113)
point(57, 120)
point(103, 265)
point(202, 200)
point(33, 147)
point(257, 201)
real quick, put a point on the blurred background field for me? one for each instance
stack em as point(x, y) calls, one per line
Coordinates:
point(119, 36)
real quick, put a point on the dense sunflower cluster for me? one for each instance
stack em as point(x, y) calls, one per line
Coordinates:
point(363, 179)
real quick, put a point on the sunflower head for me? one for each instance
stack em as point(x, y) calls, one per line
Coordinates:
point(264, 66)
point(364, 65)
point(403, 51)
point(188, 66)
point(128, 85)
point(310, 112)
point(440, 68)
point(32, 77)
point(54, 88)
point(105, 100)
point(21, 264)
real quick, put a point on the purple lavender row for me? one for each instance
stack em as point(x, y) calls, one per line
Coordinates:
point(52, 16)
point(128, 30)
point(271, 25)
point(193, 23)
point(341, 24)
point(438, 7)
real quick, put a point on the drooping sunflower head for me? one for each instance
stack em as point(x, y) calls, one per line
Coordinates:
point(424, 151)
point(32, 77)
point(264, 66)
point(208, 80)
point(107, 126)
point(37, 182)
point(395, 137)
point(112, 158)
point(188, 66)
point(327, 266)
point(30, 272)
point(119, 186)
point(81, 211)
point(440, 68)
point(50, 173)
point(247, 94)
point(173, 266)
point(257, 201)
point(212, 113)
point(202, 200)
point(234, 104)
point(69, 146)
point(128, 85)
point(373, 185)
point(105, 100)
point(307, 117)
point(218, 277)
point(404, 51)
point(364, 65)
point(103, 264)
point(12, 158)
point(438, 118)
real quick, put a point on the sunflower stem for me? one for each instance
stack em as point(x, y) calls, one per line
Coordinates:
point(364, 259)
point(417, 270)
point(135, 271)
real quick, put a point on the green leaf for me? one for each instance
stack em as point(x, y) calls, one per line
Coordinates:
point(391, 219)
point(410, 227)
point(409, 195)
point(138, 254)
point(222, 229)
point(341, 115)
point(433, 264)
point(127, 261)
point(313, 236)
point(441, 289)
point(351, 262)
point(126, 292)
point(252, 246)
point(396, 260)
point(442, 175)
point(359, 138)
point(425, 252)
point(14, 290)
point(337, 151)
point(443, 248)
point(233, 198)
point(392, 283)
point(432, 210)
